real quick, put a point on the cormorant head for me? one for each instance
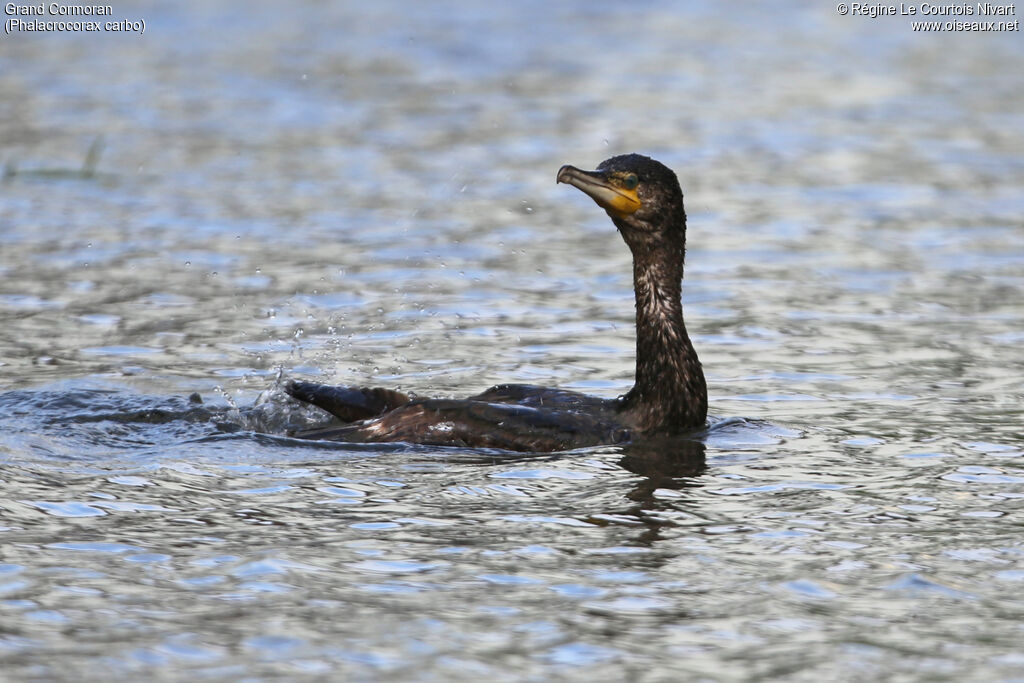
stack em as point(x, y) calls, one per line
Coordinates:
point(642, 196)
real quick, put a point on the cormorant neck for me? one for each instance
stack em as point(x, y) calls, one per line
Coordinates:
point(670, 393)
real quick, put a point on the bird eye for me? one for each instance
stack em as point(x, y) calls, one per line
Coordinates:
point(631, 181)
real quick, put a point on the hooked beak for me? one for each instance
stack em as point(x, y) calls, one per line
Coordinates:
point(617, 201)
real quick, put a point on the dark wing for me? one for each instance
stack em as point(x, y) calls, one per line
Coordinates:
point(479, 424)
point(543, 397)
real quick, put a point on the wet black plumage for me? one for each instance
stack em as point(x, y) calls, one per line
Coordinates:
point(669, 397)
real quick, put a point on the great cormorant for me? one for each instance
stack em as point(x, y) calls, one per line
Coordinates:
point(669, 397)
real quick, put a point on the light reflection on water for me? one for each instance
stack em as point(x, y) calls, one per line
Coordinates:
point(382, 209)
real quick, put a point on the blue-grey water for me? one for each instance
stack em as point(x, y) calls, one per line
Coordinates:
point(363, 193)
